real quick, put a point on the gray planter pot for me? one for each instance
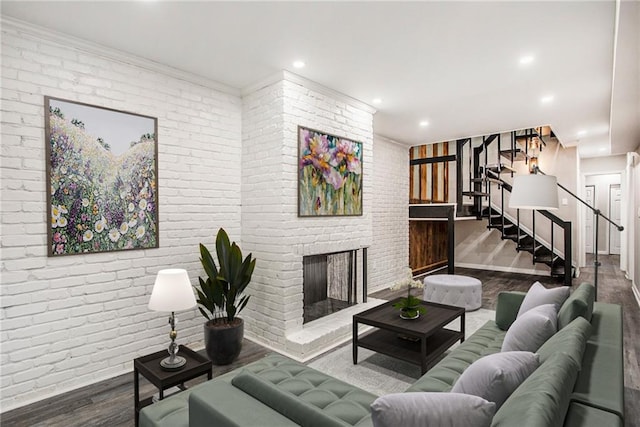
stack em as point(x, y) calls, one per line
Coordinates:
point(223, 341)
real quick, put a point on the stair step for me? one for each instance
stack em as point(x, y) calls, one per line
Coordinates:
point(499, 168)
point(546, 258)
point(475, 193)
point(514, 155)
point(557, 271)
point(477, 179)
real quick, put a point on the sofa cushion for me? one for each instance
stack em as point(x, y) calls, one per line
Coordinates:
point(570, 340)
point(507, 307)
point(486, 340)
point(579, 303)
point(543, 398)
point(580, 415)
point(539, 295)
point(218, 403)
point(606, 322)
point(531, 329)
point(304, 389)
point(170, 412)
point(601, 383)
point(286, 403)
point(601, 380)
point(496, 376)
point(426, 409)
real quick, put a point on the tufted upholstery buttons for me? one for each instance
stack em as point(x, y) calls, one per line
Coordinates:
point(453, 289)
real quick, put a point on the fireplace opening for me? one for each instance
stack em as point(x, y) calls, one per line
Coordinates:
point(329, 283)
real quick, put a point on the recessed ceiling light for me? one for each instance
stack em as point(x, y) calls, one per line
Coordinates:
point(546, 99)
point(298, 64)
point(526, 60)
point(603, 149)
point(377, 101)
point(582, 133)
point(424, 123)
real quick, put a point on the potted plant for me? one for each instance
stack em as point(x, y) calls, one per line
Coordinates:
point(410, 307)
point(221, 299)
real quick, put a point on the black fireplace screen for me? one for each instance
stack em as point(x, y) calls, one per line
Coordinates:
point(329, 283)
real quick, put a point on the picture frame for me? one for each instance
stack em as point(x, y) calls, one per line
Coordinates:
point(102, 179)
point(330, 174)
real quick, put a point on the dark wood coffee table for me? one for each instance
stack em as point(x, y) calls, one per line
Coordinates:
point(421, 341)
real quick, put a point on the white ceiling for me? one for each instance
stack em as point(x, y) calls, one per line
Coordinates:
point(453, 64)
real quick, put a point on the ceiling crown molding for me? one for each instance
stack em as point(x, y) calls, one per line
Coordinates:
point(309, 84)
point(40, 33)
point(377, 136)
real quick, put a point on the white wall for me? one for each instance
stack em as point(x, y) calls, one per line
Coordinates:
point(271, 228)
point(602, 185)
point(389, 253)
point(70, 321)
point(606, 164)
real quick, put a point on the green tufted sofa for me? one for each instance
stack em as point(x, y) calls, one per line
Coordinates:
point(579, 382)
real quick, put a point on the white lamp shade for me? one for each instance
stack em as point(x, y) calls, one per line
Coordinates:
point(172, 291)
point(534, 191)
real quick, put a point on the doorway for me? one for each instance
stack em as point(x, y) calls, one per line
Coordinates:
point(615, 198)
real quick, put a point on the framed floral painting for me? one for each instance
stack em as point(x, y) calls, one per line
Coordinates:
point(329, 174)
point(102, 179)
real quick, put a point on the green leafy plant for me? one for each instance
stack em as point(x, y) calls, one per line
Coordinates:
point(220, 296)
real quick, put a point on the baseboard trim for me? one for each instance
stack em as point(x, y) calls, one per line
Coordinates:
point(503, 268)
point(308, 357)
point(636, 293)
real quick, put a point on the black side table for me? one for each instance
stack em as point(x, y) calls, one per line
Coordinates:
point(149, 367)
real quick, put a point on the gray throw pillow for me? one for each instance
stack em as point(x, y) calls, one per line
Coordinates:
point(496, 376)
point(539, 295)
point(532, 329)
point(431, 409)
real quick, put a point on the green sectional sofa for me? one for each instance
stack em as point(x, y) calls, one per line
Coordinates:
point(579, 381)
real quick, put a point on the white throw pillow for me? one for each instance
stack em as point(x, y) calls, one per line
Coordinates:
point(532, 329)
point(539, 295)
point(431, 409)
point(496, 376)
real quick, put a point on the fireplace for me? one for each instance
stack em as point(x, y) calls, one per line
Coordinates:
point(329, 283)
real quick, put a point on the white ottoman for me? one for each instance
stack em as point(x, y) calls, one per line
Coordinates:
point(452, 289)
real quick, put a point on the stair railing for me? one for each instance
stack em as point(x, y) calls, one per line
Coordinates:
point(565, 225)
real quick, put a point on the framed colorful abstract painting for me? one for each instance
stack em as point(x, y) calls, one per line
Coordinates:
point(102, 179)
point(329, 174)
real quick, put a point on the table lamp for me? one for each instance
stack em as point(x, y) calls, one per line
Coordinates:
point(172, 292)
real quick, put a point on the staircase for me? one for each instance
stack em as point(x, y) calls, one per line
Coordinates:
point(485, 178)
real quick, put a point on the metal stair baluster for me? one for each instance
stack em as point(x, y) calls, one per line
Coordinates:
point(533, 229)
point(552, 245)
point(518, 224)
point(502, 210)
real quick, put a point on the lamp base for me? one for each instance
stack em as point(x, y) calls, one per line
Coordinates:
point(173, 365)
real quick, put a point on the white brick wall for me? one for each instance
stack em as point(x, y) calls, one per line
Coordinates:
point(389, 254)
point(271, 116)
point(70, 321)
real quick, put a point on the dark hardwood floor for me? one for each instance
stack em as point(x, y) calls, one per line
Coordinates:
point(110, 403)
